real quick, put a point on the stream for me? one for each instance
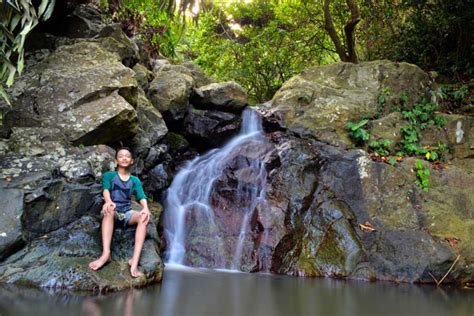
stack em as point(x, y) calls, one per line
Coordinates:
point(209, 292)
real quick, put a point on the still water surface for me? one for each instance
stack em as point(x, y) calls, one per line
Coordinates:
point(204, 292)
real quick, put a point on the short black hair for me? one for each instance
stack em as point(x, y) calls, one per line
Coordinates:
point(122, 148)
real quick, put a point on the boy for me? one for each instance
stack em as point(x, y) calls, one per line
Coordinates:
point(118, 187)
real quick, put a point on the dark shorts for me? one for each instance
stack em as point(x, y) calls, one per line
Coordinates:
point(122, 219)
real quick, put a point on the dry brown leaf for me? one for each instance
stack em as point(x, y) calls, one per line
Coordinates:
point(453, 241)
point(367, 227)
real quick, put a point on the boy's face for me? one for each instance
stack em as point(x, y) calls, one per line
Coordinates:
point(124, 158)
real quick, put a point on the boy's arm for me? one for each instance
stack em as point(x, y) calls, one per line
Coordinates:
point(145, 212)
point(141, 197)
point(109, 205)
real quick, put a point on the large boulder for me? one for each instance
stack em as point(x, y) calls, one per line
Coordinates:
point(84, 88)
point(10, 228)
point(169, 92)
point(320, 100)
point(112, 38)
point(60, 260)
point(223, 96)
point(200, 78)
point(74, 164)
point(209, 129)
point(84, 21)
point(331, 212)
point(152, 127)
point(348, 220)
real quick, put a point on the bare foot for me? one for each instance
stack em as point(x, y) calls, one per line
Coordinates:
point(134, 269)
point(99, 263)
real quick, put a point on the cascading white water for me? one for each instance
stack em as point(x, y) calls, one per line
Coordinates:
point(191, 191)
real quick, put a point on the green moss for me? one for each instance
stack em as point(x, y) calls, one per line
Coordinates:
point(330, 252)
point(176, 141)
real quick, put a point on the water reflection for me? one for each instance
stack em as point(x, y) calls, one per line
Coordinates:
point(204, 292)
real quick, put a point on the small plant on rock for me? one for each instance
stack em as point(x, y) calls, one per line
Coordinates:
point(357, 131)
point(422, 176)
point(380, 146)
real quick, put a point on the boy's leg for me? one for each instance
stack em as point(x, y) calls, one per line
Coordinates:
point(140, 234)
point(107, 231)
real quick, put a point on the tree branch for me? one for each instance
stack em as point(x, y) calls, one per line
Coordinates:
point(349, 30)
point(329, 27)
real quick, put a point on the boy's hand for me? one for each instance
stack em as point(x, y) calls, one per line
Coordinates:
point(145, 215)
point(108, 208)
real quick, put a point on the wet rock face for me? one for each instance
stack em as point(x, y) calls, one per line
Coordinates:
point(208, 129)
point(317, 198)
point(10, 227)
point(60, 260)
point(323, 232)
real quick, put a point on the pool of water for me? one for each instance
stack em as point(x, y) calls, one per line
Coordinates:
point(205, 292)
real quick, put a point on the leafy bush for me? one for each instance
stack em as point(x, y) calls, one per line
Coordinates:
point(17, 19)
point(259, 44)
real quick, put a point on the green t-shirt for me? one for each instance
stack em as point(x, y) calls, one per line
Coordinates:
point(121, 191)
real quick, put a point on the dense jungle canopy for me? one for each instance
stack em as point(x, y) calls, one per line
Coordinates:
point(262, 43)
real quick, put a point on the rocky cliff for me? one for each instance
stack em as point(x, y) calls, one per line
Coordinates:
point(330, 210)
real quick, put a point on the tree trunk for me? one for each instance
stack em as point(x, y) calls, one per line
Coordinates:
point(346, 51)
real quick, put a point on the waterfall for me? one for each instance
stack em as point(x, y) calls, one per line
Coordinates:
point(191, 192)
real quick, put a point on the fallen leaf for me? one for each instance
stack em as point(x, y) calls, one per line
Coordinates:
point(367, 227)
point(453, 241)
point(438, 165)
point(8, 178)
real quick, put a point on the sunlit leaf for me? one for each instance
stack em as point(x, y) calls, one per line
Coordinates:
point(4, 95)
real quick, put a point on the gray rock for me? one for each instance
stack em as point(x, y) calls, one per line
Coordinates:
point(11, 210)
point(321, 100)
point(103, 121)
point(37, 141)
point(152, 125)
point(158, 63)
point(60, 260)
point(72, 78)
point(200, 78)
point(143, 75)
point(169, 92)
point(225, 96)
point(113, 39)
point(84, 21)
point(55, 204)
point(210, 128)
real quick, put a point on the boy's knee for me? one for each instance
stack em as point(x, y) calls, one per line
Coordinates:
point(108, 213)
point(143, 223)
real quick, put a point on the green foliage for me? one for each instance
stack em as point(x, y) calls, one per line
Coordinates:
point(461, 93)
point(357, 131)
point(381, 98)
point(453, 96)
point(259, 44)
point(380, 146)
point(158, 25)
point(17, 19)
point(433, 34)
point(420, 117)
point(422, 176)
